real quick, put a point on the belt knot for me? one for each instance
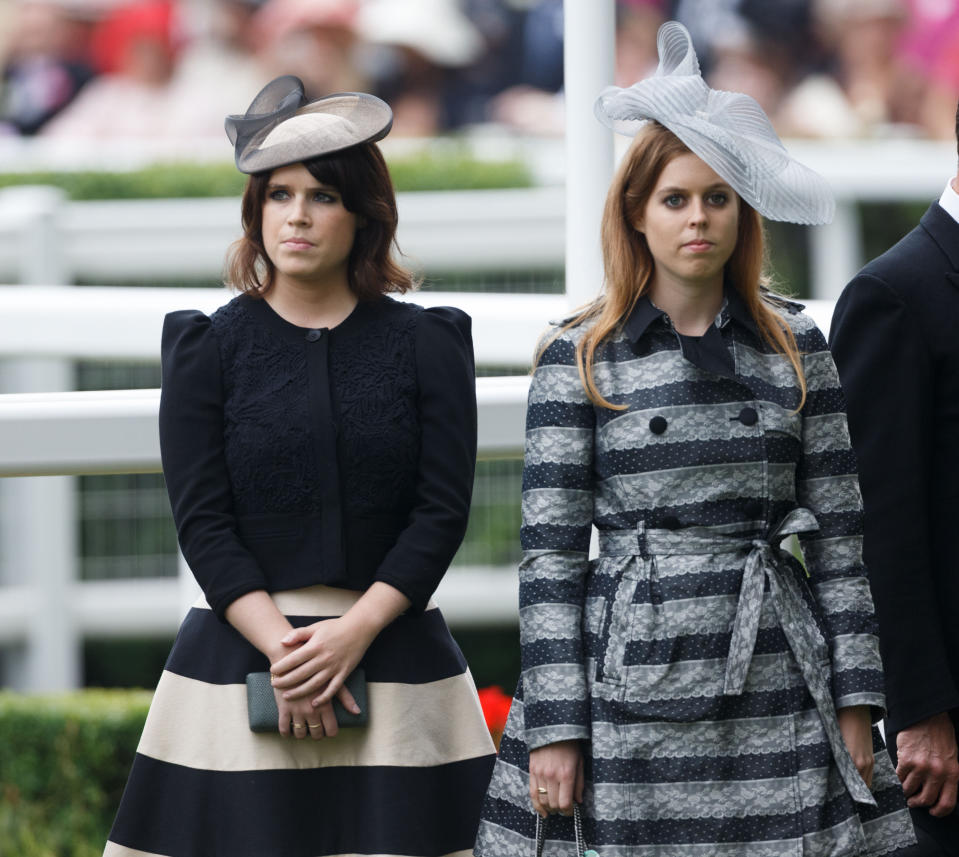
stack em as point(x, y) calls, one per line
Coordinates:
point(765, 562)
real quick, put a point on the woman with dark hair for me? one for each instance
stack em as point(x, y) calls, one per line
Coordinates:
point(318, 441)
point(694, 691)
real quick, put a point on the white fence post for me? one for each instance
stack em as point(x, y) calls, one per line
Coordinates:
point(589, 44)
point(835, 251)
point(39, 538)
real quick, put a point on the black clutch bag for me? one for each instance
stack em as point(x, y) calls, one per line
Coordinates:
point(264, 715)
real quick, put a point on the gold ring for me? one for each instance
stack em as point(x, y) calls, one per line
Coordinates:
point(542, 791)
point(299, 725)
point(314, 725)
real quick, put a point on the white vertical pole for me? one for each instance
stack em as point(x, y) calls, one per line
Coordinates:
point(835, 251)
point(589, 43)
point(39, 520)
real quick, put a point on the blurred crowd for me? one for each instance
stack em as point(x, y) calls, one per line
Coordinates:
point(172, 69)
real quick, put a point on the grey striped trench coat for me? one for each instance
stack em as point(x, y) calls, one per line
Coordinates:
point(696, 660)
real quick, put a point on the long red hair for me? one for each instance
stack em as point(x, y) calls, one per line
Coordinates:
point(629, 264)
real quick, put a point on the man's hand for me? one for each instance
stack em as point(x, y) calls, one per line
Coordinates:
point(928, 766)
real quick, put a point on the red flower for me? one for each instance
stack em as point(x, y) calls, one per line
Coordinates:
point(495, 705)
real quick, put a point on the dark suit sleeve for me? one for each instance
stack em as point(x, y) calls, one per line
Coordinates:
point(887, 375)
point(446, 380)
point(191, 449)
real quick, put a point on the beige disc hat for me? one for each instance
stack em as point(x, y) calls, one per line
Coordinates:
point(280, 127)
point(728, 130)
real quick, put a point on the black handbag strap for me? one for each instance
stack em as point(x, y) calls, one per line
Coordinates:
point(577, 831)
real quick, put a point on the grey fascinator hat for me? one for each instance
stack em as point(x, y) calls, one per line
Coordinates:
point(727, 130)
point(281, 127)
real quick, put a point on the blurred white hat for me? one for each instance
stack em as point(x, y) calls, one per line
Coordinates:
point(437, 29)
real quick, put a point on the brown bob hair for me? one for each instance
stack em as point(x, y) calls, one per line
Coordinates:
point(361, 177)
point(629, 265)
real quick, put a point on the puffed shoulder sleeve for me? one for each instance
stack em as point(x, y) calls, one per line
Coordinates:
point(191, 449)
point(446, 381)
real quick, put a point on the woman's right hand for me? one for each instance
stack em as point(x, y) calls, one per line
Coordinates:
point(557, 769)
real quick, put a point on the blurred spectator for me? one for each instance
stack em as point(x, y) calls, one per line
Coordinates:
point(134, 49)
point(313, 39)
point(533, 102)
point(541, 49)
point(862, 92)
point(170, 69)
point(418, 43)
point(766, 54)
point(218, 70)
point(502, 63)
point(708, 20)
point(759, 47)
point(930, 60)
point(532, 107)
point(637, 22)
point(45, 65)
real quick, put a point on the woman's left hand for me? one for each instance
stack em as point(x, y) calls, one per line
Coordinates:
point(855, 725)
point(323, 655)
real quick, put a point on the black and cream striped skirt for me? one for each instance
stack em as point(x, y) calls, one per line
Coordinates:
point(410, 783)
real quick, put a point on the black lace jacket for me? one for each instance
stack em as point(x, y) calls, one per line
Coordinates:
point(338, 456)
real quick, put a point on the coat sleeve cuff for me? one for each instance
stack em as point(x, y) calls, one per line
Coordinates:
point(220, 602)
point(876, 701)
point(543, 735)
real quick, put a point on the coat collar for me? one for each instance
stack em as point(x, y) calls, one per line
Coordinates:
point(734, 308)
point(709, 351)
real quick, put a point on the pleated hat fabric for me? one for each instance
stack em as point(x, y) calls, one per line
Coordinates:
point(728, 130)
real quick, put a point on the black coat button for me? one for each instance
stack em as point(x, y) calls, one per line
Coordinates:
point(314, 335)
point(748, 416)
point(657, 425)
point(671, 522)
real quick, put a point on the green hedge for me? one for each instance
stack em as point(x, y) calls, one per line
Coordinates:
point(445, 169)
point(64, 761)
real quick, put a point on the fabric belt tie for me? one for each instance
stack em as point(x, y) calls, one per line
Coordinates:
point(766, 561)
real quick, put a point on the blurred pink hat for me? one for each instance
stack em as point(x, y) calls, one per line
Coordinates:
point(277, 18)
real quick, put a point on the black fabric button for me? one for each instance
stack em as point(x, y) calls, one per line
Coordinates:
point(671, 522)
point(754, 510)
point(748, 416)
point(657, 425)
point(314, 335)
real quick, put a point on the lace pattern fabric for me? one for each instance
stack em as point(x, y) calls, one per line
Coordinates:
point(269, 444)
point(373, 375)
